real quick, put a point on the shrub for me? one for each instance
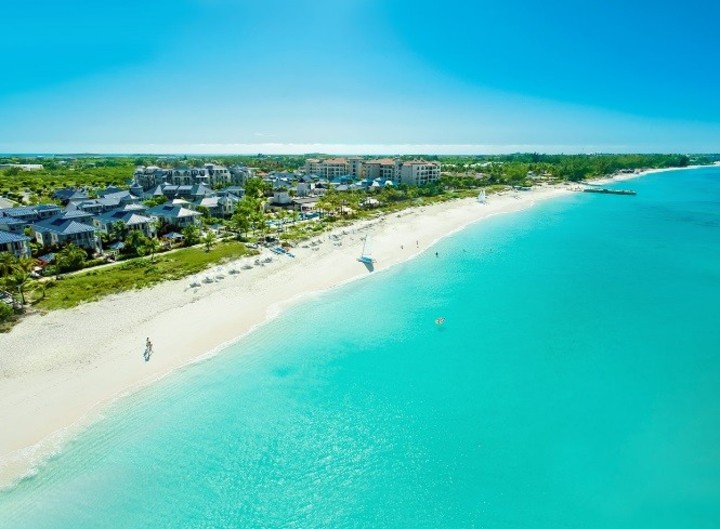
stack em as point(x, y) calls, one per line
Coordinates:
point(6, 312)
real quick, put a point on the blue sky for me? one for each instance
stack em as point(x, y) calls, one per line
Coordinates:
point(359, 76)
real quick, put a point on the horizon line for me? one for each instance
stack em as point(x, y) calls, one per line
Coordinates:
point(306, 149)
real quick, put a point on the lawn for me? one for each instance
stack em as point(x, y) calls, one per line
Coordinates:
point(140, 273)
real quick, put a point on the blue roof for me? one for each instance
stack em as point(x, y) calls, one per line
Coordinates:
point(9, 221)
point(24, 210)
point(74, 214)
point(128, 217)
point(6, 237)
point(63, 226)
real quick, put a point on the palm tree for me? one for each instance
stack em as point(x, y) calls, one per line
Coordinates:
point(7, 263)
point(118, 231)
point(20, 276)
point(70, 258)
point(208, 240)
point(136, 240)
point(152, 246)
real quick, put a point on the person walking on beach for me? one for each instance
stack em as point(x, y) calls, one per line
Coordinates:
point(148, 349)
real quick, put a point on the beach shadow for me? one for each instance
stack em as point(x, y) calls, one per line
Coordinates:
point(370, 267)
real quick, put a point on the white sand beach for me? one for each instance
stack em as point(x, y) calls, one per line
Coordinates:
point(59, 370)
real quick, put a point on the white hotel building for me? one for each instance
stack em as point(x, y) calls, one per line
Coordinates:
point(417, 172)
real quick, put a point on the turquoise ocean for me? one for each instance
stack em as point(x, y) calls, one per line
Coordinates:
point(575, 383)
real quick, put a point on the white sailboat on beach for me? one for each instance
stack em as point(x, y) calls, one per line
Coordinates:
point(366, 255)
point(481, 197)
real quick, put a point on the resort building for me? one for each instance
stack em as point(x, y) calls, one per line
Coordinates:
point(219, 206)
point(217, 175)
point(239, 174)
point(59, 231)
point(419, 172)
point(12, 225)
point(175, 215)
point(29, 214)
point(329, 169)
point(356, 167)
point(67, 194)
point(16, 244)
point(130, 219)
point(23, 166)
point(416, 172)
point(383, 169)
point(151, 176)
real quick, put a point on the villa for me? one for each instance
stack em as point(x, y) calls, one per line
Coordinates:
point(14, 243)
point(29, 214)
point(130, 219)
point(175, 215)
point(59, 231)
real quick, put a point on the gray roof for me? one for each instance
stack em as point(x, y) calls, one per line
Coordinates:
point(62, 226)
point(134, 207)
point(74, 214)
point(118, 196)
point(25, 210)
point(173, 212)
point(201, 189)
point(209, 202)
point(6, 237)
point(129, 218)
point(67, 192)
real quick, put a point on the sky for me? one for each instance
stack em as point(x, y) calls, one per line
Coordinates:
point(359, 76)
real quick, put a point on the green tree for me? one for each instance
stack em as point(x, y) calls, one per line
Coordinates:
point(70, 258)
point(240, 224)
point(20, 276)
point(191, 233)
point(137, 242)
point(152, 246)
point(256, 188)
point(209, 239)
point(155, 201)
point(118, 231)
point(7, 263)
point(205, 212)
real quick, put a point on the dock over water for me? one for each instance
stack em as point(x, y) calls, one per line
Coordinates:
point(609, 191)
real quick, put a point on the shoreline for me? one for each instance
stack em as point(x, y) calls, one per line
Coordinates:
point(59, 371)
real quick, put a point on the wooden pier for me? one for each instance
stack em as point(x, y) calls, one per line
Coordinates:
point(607, 191)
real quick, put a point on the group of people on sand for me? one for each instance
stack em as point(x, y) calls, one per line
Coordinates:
point(148, 349)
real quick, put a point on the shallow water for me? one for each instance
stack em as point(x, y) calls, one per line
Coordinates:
point(574, 383)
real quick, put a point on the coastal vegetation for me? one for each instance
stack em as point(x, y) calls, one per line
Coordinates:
point(92, 172)
point(92, 285)
point(19, 287)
